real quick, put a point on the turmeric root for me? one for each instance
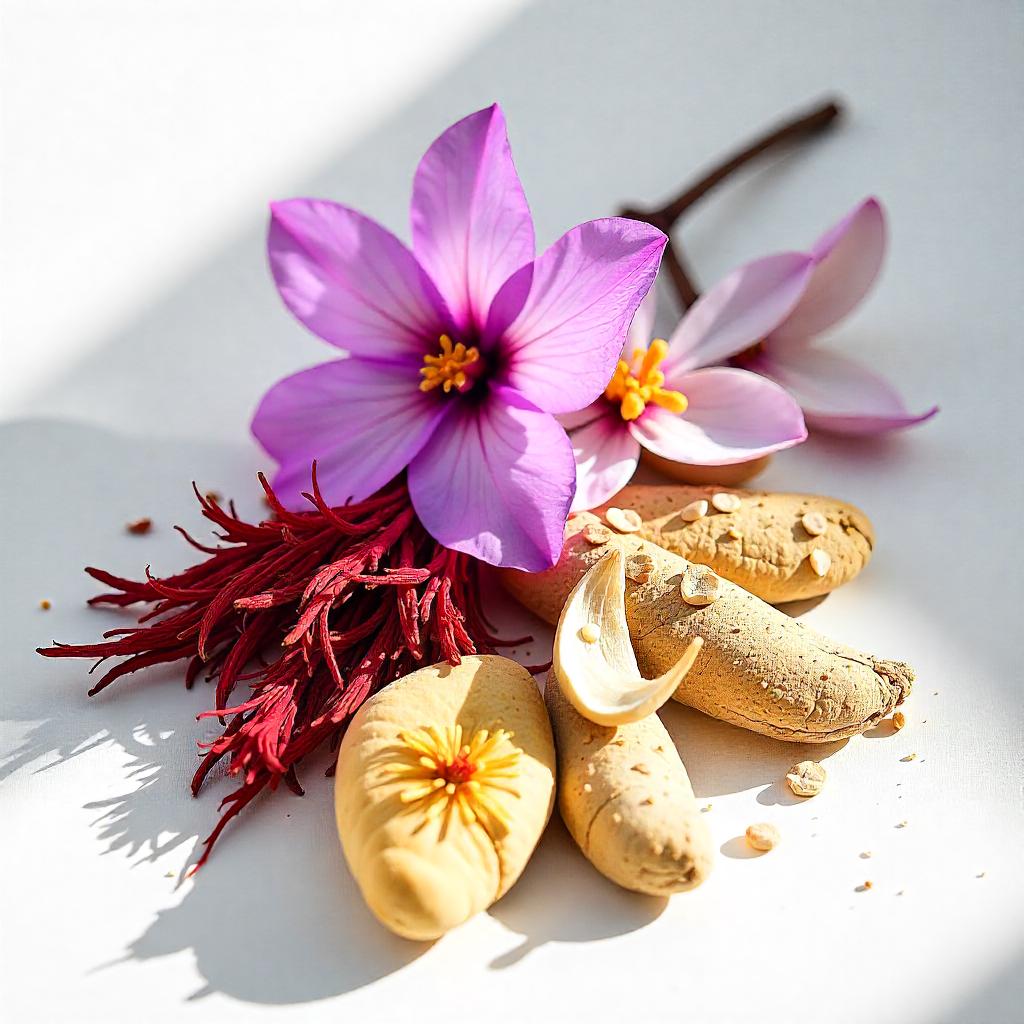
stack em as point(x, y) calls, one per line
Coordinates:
point(759, 668)
point(624, 796)
point(766, 544)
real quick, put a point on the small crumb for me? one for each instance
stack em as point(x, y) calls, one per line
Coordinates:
point(723, 501)
point(641, 768)
point(140, 526)
point(898, 720)
point(639, 567)
point(699, 585)
point(45, 604)
point(734, 533)
point(935, 694)
point(981, 874)
point(814, 523)
point(705, 809)
point(821, 561)
point(901, 892)
point(866, 855)
point(590, 633)
point(694, 511)
point(168, 874)
point(595, 533)
point(762, 836)
point(909, 757)
point(806, 778)
point(901, 824)
point(647, 803)
point(863, 887)
point(617, 818)
point(618, 742)
point(625, 520)
point(587, 787)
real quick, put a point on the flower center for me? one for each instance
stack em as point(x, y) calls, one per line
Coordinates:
point(448, 368)
point(639, 381)
point(442, 775)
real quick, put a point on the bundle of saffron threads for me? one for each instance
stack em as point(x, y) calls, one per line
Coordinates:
point(313, 610)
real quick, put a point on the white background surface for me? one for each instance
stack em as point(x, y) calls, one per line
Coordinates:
point(141, 143)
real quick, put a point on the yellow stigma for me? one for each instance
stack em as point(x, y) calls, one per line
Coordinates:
point(441, 775)
point(448, 368)
point(639, 381)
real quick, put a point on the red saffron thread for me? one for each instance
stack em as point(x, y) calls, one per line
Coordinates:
point(350, 598)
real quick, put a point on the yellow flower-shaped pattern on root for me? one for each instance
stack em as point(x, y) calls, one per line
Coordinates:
point(639, 381)
point(442, 775)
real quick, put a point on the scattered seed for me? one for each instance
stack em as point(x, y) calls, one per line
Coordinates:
point(647, 803)
point(639, 567)
point(590, 633)
point(902, 824)
point(806, 778)
point(595, 533)
point(705, 808)
point(762, 836)
point(980, 875)
point(625, 520)
point(726, 502)
point(814, 523)
point(866, 855)
point(642, 769)
point(168, 874)
point(909, 757)
point(45, 604)
point(821, 561)
point(694, 511)
point(865, 886)
point(898, 721)
point(699, 585)
point(734, 533)
point(140, 526)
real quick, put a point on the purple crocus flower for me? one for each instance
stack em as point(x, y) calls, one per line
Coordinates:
point(666, 396)
point(837, 394)
point(460, 351)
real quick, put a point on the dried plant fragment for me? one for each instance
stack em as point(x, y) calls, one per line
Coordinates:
point(806, 778)
point(625, 520)
point(899, 720)
point(140, 526)
point(639, 567)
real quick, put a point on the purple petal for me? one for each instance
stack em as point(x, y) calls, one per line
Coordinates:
point(563, 344)
point(641, 330)
point(496, 481)
point(351, 282)
point(362, 421)
point(606, 456)
point(837, 394)
point(848, 258)
point(739, 311)
point(471, 226)
point(733, 416)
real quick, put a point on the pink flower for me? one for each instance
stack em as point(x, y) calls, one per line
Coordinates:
point(460, 351)
point(836, 393)
point(660, 399)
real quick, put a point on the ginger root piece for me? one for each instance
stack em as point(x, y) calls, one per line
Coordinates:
point(625, 798)
point(445, 782)
point(764, 545)
point(759, 668)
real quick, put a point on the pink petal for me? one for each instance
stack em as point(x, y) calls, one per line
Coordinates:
point(606, 456)
point(641, 330)
point(361, 420)
point(351, 282)
point(837, 394)
point(573, 307)
point(496, 481)
point(471, 226)
point(848, 258)
point(739, 311)
point(733, 416)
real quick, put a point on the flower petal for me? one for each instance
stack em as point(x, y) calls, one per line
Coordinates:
point(471, 225)
point(848, 258)
point(739, 311)
point(572, 308)
point(363, 422)
point(836, 393)
point(351, 282)
point(733, 416)
point(641, 330)
point(495, 481)
point(606, 456)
